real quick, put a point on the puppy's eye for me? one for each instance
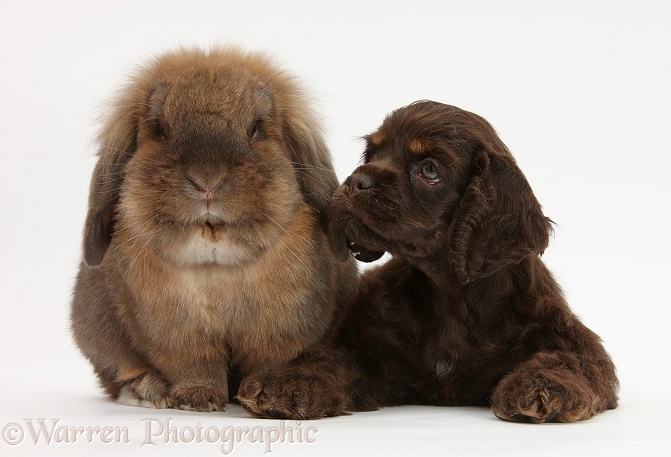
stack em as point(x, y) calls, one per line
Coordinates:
point(257, 130)
point(429, 172)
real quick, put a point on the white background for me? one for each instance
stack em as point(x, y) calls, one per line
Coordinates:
point(578, 90)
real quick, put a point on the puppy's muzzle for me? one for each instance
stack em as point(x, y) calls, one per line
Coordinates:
point(357, 183)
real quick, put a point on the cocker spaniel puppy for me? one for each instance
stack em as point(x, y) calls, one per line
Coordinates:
point(465, 312)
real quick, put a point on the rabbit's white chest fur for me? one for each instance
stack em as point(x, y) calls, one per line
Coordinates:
point(201, 250)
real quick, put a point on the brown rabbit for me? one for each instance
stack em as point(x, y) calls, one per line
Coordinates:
point(206, 244)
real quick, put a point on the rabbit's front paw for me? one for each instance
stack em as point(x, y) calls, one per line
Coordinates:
point(148, 390)
point(198, 398)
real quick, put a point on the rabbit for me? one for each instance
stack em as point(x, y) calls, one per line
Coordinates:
point(208, 254)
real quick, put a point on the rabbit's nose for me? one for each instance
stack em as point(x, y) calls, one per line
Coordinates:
point(205, 187)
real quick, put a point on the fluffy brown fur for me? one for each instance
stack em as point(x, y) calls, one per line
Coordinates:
point(206, 245)
point(465, 312)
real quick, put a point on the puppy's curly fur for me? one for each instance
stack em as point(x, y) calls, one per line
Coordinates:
point(206, 245)
point(465, 312)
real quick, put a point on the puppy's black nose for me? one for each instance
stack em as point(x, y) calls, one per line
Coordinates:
point(358, 182)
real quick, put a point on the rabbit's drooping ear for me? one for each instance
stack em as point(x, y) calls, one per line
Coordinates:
point(499, 221)
point(117, 143)
point(316, 177)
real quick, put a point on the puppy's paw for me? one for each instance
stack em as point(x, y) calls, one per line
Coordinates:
point(282, 395)
point(198, 398)
point(148, 390)
point(550, 396)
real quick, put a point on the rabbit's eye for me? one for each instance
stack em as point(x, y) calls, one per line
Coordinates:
point(160, 130)
point(257, 130)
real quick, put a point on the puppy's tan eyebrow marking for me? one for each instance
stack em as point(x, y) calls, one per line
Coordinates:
point(418, 146)
point(376, 138)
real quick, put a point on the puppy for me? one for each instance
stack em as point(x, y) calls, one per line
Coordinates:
point(465, 312)
point(206, 244)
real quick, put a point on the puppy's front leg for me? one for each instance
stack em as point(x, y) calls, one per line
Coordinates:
point(554, 387)
point(322, 381)
point(337, 375)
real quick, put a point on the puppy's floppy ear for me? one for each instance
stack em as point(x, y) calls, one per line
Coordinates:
point(117, 142)
point(499, 221)
point(316, 177)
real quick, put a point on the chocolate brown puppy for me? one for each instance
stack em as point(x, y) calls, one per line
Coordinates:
point(206, 245)
point(465, 312)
